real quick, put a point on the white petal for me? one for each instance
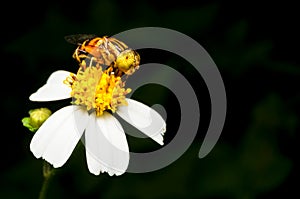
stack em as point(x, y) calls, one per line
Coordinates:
point(144, 118)
point(54, 89)
point(57, 137)
point(106, 146)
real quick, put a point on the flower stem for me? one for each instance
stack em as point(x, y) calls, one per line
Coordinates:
point(48, 172)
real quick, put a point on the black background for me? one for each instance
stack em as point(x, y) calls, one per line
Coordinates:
point(254, 45)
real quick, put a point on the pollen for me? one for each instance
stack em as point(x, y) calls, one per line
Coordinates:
point(97, 90)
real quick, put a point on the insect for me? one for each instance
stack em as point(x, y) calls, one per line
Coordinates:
point(105, 52)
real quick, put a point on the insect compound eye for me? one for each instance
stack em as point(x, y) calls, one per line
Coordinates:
point(127, 59)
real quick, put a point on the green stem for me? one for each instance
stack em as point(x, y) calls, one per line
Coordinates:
point(48, 172)
point(44, 189)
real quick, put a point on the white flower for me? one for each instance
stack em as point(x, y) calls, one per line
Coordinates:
point(96, 95)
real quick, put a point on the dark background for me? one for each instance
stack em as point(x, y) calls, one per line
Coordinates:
point(254, 45)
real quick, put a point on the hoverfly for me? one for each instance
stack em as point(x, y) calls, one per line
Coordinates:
point(105, 52)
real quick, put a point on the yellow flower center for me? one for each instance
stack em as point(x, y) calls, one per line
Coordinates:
point(97, 90)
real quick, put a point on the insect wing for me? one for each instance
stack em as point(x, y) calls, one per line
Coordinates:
point(78, 39)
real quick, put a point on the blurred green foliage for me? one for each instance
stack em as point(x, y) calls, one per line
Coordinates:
point(256, 154)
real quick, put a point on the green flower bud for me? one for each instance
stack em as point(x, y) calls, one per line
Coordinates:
point(36, 118)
